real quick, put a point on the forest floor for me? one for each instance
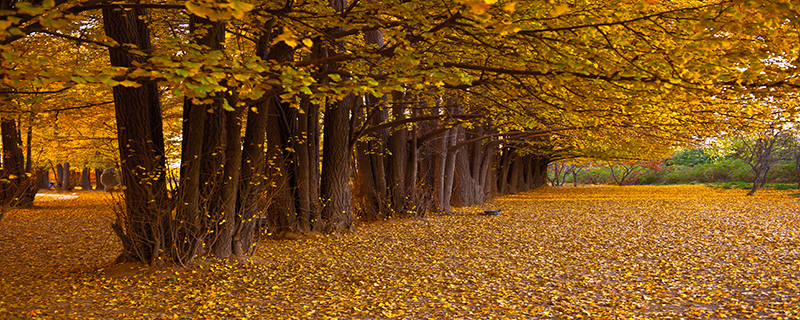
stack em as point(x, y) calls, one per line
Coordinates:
point(588, 252)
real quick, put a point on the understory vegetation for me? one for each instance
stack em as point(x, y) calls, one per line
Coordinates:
point(687, 251)
point(684, 166)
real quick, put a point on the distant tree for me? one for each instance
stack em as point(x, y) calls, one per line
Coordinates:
point(762, 150)
point(557, 173)
point(628, 172)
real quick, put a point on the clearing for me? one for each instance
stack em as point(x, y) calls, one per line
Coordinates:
point(587, 252)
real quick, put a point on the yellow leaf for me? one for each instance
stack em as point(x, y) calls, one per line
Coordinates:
point(510, 7)
point(287, 37)
point(559, 10)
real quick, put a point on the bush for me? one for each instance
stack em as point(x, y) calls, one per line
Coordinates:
point(595, 175)
point(783, 172)
point(725, 169)
point(722, 170)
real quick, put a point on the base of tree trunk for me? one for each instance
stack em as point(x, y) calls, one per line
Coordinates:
point(18, 192)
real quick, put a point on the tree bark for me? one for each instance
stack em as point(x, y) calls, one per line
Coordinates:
point(370, 154)
point(17, 189)
point(398, 155)
point(98, 184)
point(336, 193)
point(86, 181)
point(515, 175)
point(59, 175)
point(66, 181)
point(141, 142)
point(335, 179)
point(223, 247)
point(449, 170)
point(308, 166)
point(282, 173)
point(505, 169)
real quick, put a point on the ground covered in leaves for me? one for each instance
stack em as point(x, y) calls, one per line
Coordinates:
point(588, 252)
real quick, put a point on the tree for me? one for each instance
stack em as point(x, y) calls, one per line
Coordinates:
point(762, 150)
point(17, 187)
point(140, 224)
point(624, 171)
point(558, 172)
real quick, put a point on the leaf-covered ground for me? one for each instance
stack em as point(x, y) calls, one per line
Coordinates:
point(590, 252)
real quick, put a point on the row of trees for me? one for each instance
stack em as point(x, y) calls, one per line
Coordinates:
point(313, 113)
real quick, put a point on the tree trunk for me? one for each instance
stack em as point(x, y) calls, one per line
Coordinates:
point(398, 155)
point(515, 175)
point(307, 166)
point(98, 184)
point(43, 179)
point(86, 181)
point(253, 185)
point(141, 142)
point(439, 164)
point(505, 170)
point(282, 173)
point(539, 177)
point(371, 173)
point(335, 180)
point(59, 175)
point(211, 171)
point(223, 247)
point(17, 189)
point(66, 181)
point(756, 183)
point(336, 193)
point(29, 149)
point(313, 167)
point(449, 170)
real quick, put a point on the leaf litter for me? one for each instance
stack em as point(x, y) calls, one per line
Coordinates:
point(646, 252)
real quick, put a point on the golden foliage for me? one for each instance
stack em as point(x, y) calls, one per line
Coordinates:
point(588, 252)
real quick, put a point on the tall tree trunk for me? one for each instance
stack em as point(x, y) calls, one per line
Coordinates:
point(253, 198)
point(485, 177)
point(16, 189)
point(450, 170)
point(86, 181)
point(307, 204)
point(98, 185)
point(212, 171)
point(187, 229)
point(313, 167)
point(335, 179)
point(398, 155)
point(253, 185)
point(539, 178)
point(371, 174)
point(412, 163)
point(66, 181)
point(282, 173)
point(335, 182)
point(29, 149)
point(439, 165)
point(59, 175)
point(43, 179)
point(515, 175)
point(141, 142)
point(223, 247)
